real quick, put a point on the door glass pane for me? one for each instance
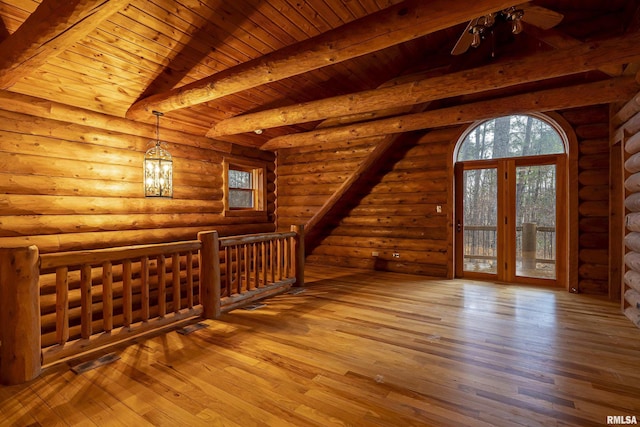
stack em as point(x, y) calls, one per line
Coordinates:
point(536, 221)
point(480, 219)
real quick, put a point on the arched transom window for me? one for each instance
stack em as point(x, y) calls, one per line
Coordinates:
point(510, 136)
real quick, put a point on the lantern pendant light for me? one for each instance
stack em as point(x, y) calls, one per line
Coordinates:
point(158, 168)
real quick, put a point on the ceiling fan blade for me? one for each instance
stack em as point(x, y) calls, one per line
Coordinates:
point(463, 43)
point(541, 16)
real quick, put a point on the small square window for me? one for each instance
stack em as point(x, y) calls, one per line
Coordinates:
point(245, 188)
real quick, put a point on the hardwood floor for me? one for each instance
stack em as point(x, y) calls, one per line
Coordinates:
point(364, 349)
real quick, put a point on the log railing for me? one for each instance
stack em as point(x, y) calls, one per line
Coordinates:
point(257, 266)
point(58, 305)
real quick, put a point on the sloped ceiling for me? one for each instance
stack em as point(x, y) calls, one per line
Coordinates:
point(204, 62)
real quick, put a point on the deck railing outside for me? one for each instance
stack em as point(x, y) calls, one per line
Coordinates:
point(480, 243)
point(62, 304)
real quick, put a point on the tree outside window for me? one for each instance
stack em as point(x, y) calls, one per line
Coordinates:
point(241, 189)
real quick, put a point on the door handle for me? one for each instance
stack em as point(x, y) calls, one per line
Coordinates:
point(459, 227)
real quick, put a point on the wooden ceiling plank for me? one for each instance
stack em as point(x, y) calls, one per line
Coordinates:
point(603, 92)
point(138, 31)
point(77, 62)
point(310, 17)
point(54, 74)
point(162, 47)
point(12, 16)
point(340, 10)
point(51, 28)
point(233, 18)
point(221, 50)
point(217, 33)
point(182, 32)
point(328, 14)
point(226, 23)
point(356, 8)
point(262, 26)
point(115, 59)
point(281, 26)
point(406, 21)
point(558, 63)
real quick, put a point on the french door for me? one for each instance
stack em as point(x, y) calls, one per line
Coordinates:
point(510, 219)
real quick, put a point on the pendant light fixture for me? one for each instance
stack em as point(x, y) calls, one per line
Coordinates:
point(158, 167)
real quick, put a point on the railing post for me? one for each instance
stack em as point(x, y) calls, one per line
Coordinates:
point(20, 353)
point(298, 253)
point(529, 245)
point(210, 274)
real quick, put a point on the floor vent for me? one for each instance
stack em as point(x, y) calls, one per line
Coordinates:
point(192, 328)
point(96, 363)
point(254, 306)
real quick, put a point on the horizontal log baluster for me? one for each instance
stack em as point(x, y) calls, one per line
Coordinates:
point(96, 341)
point(98, 256)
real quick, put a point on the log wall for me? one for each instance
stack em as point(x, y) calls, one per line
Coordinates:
point(627, 122)
point(67, 185)
point(591, 126)
point(395, 213)
point(398, 212)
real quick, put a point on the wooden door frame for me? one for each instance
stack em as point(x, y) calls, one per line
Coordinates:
point(505, 169)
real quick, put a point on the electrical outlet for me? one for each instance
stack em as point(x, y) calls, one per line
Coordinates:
point(439, 209)
point(396, 255)
point(375, 253)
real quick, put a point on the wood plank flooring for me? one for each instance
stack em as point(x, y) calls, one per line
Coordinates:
point(364, 349)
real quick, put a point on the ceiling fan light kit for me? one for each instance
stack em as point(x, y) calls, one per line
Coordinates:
point(514, 15)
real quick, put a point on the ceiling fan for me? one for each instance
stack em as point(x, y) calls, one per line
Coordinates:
point(479, 27)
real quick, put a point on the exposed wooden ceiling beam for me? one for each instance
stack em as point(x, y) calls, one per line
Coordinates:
point(558, 63)
point(603, 92)
point(49, 30)
point(397, 24)
point(560, 40)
